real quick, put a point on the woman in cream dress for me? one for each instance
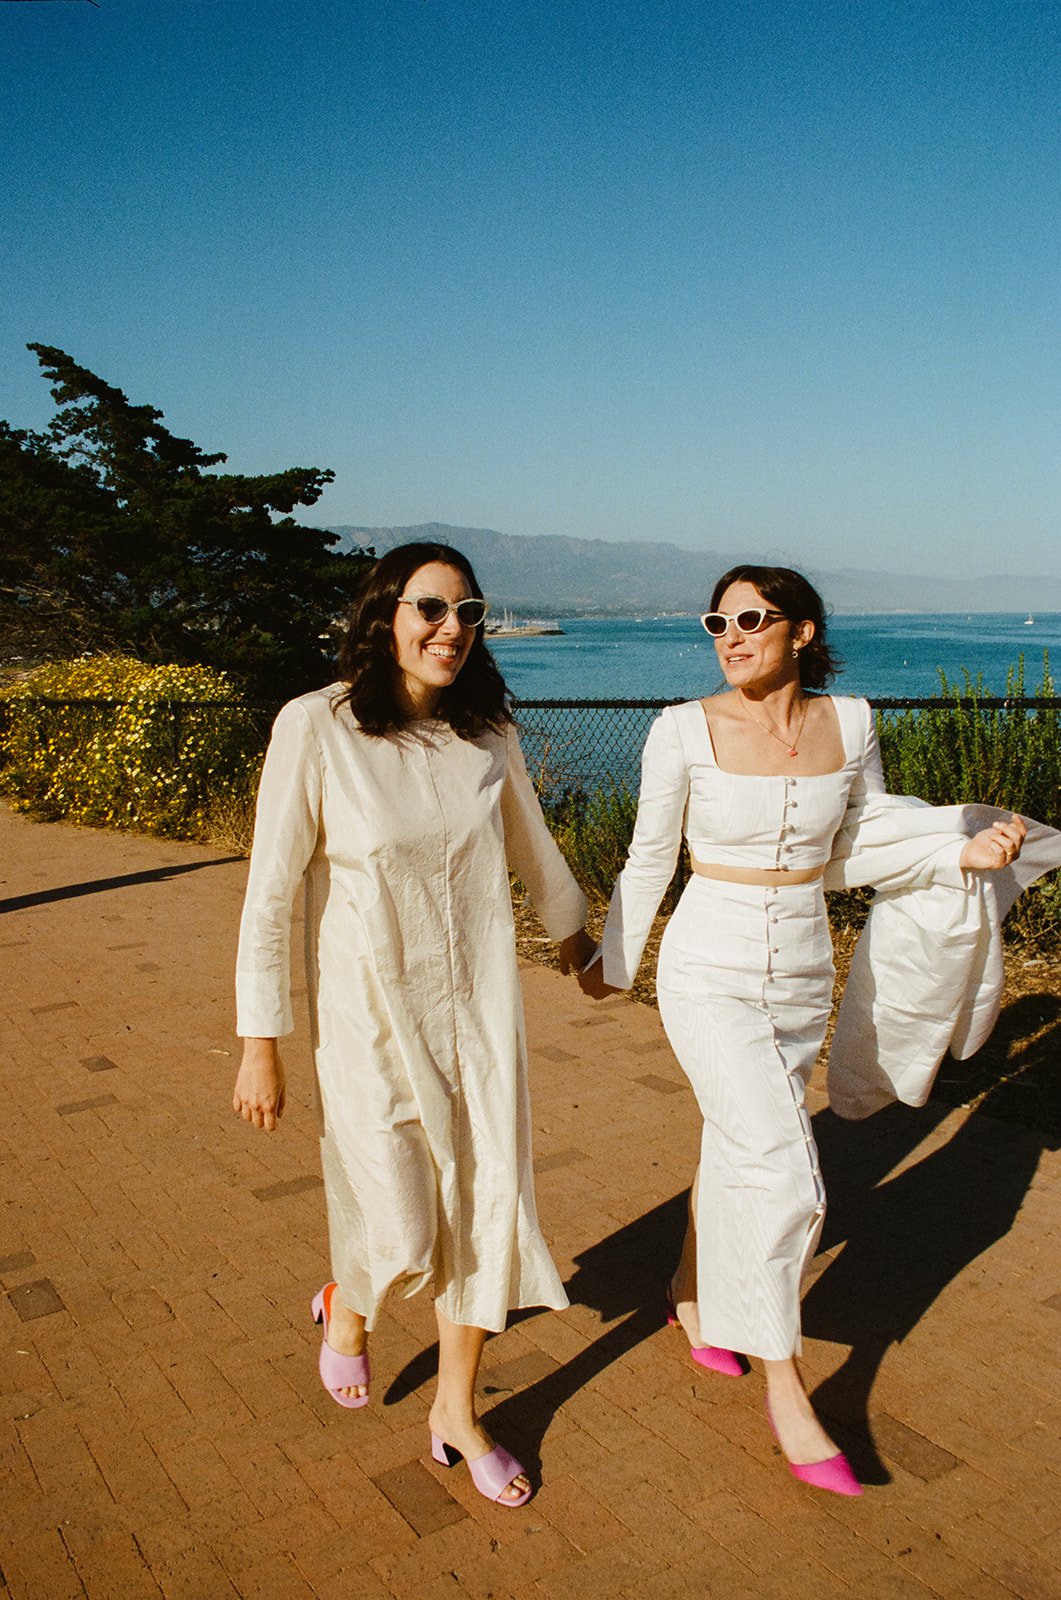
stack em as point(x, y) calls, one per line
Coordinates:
point(401, 798)
point(760, 779)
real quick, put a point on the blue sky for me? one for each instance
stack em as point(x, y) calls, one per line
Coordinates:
point(781, 278)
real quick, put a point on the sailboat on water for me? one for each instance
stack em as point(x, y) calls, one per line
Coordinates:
point(509, 627)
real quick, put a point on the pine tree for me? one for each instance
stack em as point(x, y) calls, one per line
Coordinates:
point(116, 534)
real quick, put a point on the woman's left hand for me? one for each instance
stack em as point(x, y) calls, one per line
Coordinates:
point(575, 951)
point(260, 1089)
point(994, 847)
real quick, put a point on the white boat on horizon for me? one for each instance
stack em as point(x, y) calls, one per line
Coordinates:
point(509, 627)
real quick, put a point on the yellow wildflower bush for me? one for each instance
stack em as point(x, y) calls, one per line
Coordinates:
point(112, 742)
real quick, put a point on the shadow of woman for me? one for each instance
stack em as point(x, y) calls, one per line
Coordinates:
point(1015, 1075)
point(620, 1279)
point(906, 1237)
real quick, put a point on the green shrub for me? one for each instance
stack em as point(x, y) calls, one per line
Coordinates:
point(594, 833)
point(158, 761)
point(967, 752)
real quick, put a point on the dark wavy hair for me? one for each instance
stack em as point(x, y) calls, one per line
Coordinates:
point(796, 597)
point(475, 701)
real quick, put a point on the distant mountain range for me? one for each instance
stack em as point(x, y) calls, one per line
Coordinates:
point(549, 575)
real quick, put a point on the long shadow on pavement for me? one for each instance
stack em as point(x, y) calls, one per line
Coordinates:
point(617, 1277)
point(905, 1238)
point(73, 891)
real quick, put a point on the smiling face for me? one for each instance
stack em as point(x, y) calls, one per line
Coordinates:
point(757, 662)
point(429, 655)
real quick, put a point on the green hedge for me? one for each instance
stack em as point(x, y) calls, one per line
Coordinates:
point(967, 752)
point(594, 833)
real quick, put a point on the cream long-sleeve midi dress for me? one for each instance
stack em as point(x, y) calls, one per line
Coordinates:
point(744, 982)
point(404, 843)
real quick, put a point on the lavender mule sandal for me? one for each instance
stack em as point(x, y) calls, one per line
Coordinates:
point(339, 1371)
point(491, 1474)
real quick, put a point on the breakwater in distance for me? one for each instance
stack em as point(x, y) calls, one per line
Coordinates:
point(672, 658)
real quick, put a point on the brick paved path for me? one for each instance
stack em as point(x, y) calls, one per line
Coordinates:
point(164, 1432)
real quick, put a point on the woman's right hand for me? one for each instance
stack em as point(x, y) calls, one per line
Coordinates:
point(260, 1089)
point(995, 847)
point(591, 981)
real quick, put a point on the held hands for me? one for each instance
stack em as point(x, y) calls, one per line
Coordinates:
point(994, 847)
point(260, 1090)
point(592, 983)
point(575, 951)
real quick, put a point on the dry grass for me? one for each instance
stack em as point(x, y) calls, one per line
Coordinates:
point(230, 823)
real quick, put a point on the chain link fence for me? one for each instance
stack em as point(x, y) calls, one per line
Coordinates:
point(573, 747)
point(570, 745)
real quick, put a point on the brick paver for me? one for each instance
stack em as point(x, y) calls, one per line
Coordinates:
point(164, 1433)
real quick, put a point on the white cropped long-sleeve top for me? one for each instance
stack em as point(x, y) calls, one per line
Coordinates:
point(728, 819)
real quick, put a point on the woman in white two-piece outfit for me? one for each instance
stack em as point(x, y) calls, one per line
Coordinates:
point(759, 779)
point(400, 796)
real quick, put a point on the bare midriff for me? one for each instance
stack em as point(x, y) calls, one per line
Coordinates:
point(758, 877)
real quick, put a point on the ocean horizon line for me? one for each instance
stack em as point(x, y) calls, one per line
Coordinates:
point(634, 614)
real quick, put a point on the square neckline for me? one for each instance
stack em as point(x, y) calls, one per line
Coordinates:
point(795, 777)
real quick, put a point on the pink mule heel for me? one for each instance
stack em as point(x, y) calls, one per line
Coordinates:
point(491, 1474)
point(338, 1371)
point(711, 1356)
point(834, 1474)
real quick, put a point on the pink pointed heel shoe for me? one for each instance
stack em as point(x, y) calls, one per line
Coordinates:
point(711, 1356)
point(834, 1474)
point(491, 1474)
point(339, 1371)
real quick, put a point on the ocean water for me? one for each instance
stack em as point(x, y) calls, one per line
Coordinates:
point(672, 658)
